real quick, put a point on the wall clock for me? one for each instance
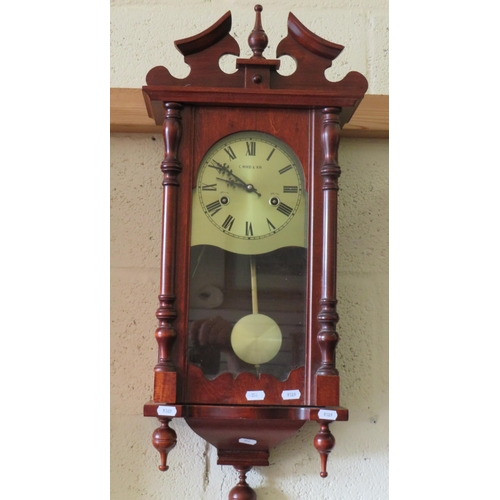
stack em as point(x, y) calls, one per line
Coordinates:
point(247, 305)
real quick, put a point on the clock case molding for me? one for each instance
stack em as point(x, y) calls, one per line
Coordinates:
point(307, 111)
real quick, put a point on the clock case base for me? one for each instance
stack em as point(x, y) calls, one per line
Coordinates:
point(244, 435)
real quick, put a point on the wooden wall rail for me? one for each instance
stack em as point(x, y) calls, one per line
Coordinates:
point(128, 115)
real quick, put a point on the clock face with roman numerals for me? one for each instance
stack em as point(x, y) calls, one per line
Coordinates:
point(250, 186)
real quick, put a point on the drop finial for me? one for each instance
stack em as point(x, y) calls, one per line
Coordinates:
point(258, 39)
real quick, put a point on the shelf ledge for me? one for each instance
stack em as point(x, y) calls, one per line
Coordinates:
point(128, 114)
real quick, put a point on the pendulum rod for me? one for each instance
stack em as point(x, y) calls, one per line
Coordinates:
point(255, 302)
point(253, 282)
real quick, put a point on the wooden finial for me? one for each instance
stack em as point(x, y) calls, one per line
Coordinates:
point(164, 439)
point(258, 38)
point(242, 491)
point(324, 443)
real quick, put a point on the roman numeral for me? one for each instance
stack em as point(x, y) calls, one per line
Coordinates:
point(251, 148)
point(284, 209)
point(285, 169)
point(228, 223)
point(248, 230)
point(230, 152)
point(213, 207)
point(290, 189)
point(270, 225)
point(209, 187)
point(271, 154)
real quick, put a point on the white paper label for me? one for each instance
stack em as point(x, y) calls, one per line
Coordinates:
point(327, 414)
point(166, 411)
point(290, 395)
point(255, 395)
point(247, 441)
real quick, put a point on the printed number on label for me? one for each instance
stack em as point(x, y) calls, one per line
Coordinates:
point(166, 411)
point(247, 441)
point(255, 395)
point(290, 395)
point(327, 414)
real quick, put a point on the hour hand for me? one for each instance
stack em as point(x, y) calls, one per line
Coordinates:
point(223, 169)
point(249, 188)
point(233, 182)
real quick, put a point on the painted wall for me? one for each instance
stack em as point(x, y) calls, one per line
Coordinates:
point(142, 35)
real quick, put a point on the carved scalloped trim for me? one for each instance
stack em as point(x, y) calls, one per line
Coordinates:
point(310, 41)
point(202, 53)
point(244, 375)
point(207, 38)
point(312, 53)
point(224, 389)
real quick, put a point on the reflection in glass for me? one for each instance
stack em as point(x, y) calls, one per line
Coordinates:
point(255, 293)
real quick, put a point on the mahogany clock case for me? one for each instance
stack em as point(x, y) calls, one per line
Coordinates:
point(306, 112)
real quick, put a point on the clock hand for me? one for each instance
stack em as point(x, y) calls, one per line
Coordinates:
point(238, 183)
point(223, 169)
point(233, 182)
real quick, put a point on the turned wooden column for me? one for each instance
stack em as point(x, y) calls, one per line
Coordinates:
point(330, 172)
point(165, 371)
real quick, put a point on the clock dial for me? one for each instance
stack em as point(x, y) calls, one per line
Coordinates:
point(250, 188)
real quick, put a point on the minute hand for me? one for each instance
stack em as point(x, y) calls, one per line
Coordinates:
point(248, 187)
